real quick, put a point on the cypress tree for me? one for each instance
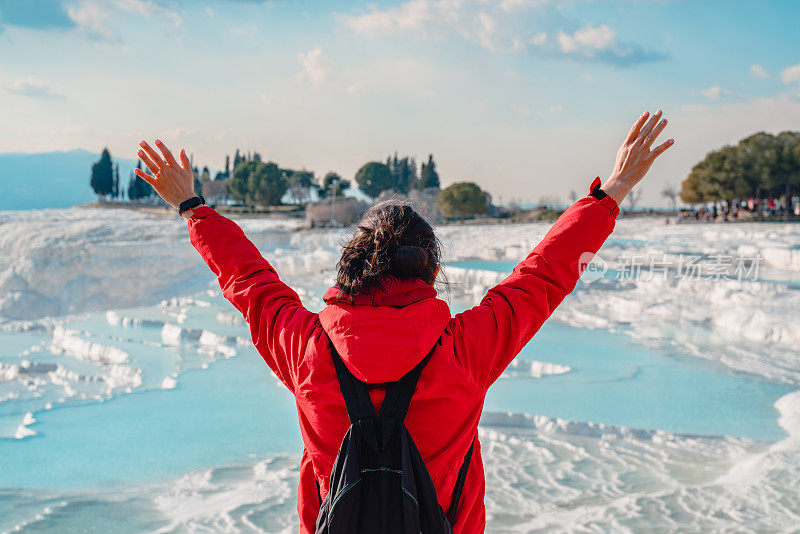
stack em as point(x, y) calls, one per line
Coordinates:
point(102, 180)
point(115, 185)
point(428, 176)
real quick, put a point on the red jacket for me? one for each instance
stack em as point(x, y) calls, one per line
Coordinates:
point(383, 337)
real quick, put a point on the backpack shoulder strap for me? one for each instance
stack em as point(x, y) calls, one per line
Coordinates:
point(356, 397)
point(462, 477)
point(398, 395)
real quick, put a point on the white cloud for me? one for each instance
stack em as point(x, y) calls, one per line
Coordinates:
point(757, 71)
point(150, 9)
point(316, 67)
point(409, 16)
point(587, 40)
point(31, 87)
point(486, 28)
point(599, 43)
point(469, 19)
point(91, 18)
point(713, 93)
point(558, 109)
point(500, 27)
point(791, 74)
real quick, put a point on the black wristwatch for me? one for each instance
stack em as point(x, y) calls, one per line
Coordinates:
point(191, 203)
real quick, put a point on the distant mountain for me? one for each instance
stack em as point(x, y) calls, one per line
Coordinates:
point(51, 179)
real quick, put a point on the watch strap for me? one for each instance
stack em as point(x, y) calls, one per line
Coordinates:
point(191, 203)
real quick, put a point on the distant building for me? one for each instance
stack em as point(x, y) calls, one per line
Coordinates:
point(343, 212)
point(216, 191)
point(424, 202)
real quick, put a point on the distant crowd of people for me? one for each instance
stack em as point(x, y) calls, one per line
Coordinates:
point(746, 209)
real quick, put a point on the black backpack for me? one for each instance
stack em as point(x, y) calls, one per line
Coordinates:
point(379, 482)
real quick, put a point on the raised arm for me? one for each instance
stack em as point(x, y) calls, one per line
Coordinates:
point(279, 324)
point(492, 333)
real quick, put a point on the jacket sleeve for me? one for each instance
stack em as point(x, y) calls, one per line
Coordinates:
point(279, 324)
point(492, 333)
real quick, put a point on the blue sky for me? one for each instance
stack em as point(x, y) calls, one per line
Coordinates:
point(528, 98)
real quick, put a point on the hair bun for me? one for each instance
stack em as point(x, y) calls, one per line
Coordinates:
point(409, 260)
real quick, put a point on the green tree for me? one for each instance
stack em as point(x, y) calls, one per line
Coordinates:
point(403, 172)
point(138, 189)
point(374, 177)
point(759, 166)
point(267, 184)
point(759, 154)
point(690, 190)
point(238, 183)
point(255, 182)
point(788, 171)
point(102, 180)
point(428, 177)
point(327, 185)
point(463, 199)
point(115, 183)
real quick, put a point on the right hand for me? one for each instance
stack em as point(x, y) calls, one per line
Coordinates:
point(172, 181)
point(635, 157)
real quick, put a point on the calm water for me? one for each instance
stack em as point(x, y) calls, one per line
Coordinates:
point(236, 410)
point(617, 381)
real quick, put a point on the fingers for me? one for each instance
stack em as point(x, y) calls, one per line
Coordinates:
point(660, 149)
point(168, 157)
point(148, 162)
point(654, 134)
point(185, 163)
point(146, 177)
point(636, 127)
point(154, 157)
point(647, 128)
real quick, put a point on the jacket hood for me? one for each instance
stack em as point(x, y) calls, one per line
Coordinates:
point(383, 334)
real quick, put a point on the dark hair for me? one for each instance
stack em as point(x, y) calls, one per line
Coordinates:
point(391, 240)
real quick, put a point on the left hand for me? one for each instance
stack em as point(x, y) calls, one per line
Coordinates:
point(172, 181)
